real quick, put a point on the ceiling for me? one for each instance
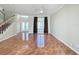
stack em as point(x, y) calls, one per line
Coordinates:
point(32, 9)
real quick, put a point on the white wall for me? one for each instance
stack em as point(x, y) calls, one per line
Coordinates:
point(65, 25)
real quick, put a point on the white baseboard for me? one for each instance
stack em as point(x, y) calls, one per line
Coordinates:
point(65, 43)
point(7, 37)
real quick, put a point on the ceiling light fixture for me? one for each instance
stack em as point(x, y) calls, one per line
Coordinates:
point(41, 11)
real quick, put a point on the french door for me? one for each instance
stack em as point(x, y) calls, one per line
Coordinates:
point(24, 27)
point(40, 25)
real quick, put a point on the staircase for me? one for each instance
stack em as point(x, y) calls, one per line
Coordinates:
point(4, 26)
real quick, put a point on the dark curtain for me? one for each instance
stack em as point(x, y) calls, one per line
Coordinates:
point(45, 25)
point(35, 25)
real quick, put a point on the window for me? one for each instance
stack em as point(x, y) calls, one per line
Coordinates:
point(27, 26)
point(23, 26)
point(40, 25)
point(24, 23)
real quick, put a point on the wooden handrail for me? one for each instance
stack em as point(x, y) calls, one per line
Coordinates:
point(6, 21)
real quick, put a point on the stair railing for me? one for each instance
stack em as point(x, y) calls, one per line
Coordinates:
point(6, 24)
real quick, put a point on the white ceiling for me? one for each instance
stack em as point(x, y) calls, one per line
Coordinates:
point(31, 9)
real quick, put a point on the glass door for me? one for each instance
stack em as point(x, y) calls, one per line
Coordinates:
point(40, 25)
point(25, 30)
